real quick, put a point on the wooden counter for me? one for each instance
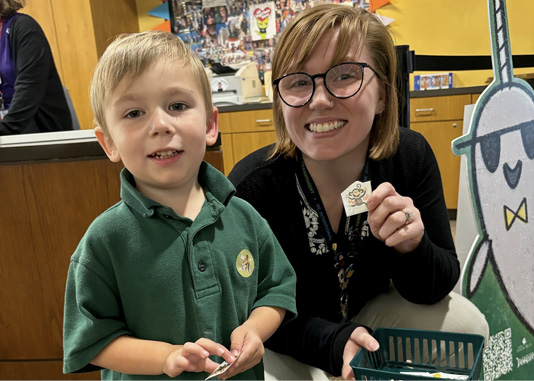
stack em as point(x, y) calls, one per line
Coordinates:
point(51, 192)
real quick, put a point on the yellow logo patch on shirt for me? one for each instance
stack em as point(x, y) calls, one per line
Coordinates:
point(245, 263)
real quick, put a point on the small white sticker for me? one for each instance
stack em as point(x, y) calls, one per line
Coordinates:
point(355, 197)
point(222, 368)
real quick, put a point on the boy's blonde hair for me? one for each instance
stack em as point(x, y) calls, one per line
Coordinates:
point(304, 33)
point(130, 55)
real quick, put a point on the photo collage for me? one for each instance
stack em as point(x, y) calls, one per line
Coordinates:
point(231, 32)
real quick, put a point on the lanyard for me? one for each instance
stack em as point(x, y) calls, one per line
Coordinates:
point(337, 243)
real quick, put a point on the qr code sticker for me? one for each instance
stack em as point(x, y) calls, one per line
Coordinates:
point(497, 356)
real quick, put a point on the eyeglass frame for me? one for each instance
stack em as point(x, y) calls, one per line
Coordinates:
point(362, 66)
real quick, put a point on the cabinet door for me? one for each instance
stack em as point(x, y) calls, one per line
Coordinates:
point(246, 143)
point(440, 135)
point(49, 369)
point(226, 141)
point(252, 121)
point(429, 109)
point(50, 206)
point(228, 152)
point(248, 131)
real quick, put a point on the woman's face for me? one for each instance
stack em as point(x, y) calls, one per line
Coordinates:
point(345, 123)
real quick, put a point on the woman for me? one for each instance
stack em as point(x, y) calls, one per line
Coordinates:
point(335, 111)
point(32, 98)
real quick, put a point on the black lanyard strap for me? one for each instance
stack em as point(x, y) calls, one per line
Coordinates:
point(335, 242)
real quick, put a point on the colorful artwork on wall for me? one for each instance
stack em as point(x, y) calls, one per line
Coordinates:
point(230, 32)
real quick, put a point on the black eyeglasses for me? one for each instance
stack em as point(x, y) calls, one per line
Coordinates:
point(343, 81)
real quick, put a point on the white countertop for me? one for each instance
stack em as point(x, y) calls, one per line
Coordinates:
point(46, 146)
point(61, 145)
point(47, 138)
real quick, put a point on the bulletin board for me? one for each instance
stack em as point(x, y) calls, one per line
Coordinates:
point(229, 32)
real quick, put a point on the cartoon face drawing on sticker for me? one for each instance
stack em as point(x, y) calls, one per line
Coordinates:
point(500, 154)
point(356, 197)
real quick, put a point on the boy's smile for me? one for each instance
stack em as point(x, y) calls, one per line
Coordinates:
point(165, 154)
point(158, 127)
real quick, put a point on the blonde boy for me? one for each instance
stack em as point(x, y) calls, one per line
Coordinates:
point(179, 271)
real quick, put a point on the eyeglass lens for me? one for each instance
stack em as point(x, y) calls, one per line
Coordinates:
point(342, 81)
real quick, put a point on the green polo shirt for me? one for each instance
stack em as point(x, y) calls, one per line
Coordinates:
point(144, 271)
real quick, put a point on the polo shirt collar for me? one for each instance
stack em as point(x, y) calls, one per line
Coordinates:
point(218, 189)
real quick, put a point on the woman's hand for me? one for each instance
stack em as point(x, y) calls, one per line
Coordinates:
point(194, 357)
point(360, 337)
point(394, 219)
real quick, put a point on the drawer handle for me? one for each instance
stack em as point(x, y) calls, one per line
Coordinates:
point(425, 110)
point(264, 122)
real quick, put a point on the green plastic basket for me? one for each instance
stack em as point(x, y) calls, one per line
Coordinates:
point(430, 352)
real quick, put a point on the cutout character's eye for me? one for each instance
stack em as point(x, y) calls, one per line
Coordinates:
point(490, 146)
point(527, 135)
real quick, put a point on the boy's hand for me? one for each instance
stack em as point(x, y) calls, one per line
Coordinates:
point(194, 357)
point(246, 342)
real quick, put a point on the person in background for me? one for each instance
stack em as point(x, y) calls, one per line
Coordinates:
point(336, 116)
point(179, 269)
point(32, 98)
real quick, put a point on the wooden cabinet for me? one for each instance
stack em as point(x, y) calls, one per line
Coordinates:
point(47, 208)
point(47, 205)
point(78, 32)
point(243, 132)
point(440, 120)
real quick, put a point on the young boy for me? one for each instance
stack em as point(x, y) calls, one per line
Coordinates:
point(179, 270)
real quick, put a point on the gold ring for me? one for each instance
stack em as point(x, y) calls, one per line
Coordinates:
point(408, 215)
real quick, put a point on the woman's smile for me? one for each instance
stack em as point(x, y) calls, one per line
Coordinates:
point(326, 127)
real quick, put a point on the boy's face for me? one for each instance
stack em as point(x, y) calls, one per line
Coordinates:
point(158, 127)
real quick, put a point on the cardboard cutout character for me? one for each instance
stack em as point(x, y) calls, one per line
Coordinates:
point(499, 272)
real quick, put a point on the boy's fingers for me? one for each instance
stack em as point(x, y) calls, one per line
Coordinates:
point(210, 366)
point(234, 369)
point(193, 349)
point(237, 339)
point(215, 349)
point(181, 362)
point(228, 356)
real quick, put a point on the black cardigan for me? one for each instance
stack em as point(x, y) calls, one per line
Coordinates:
point(39, 103)
point(426, 275)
